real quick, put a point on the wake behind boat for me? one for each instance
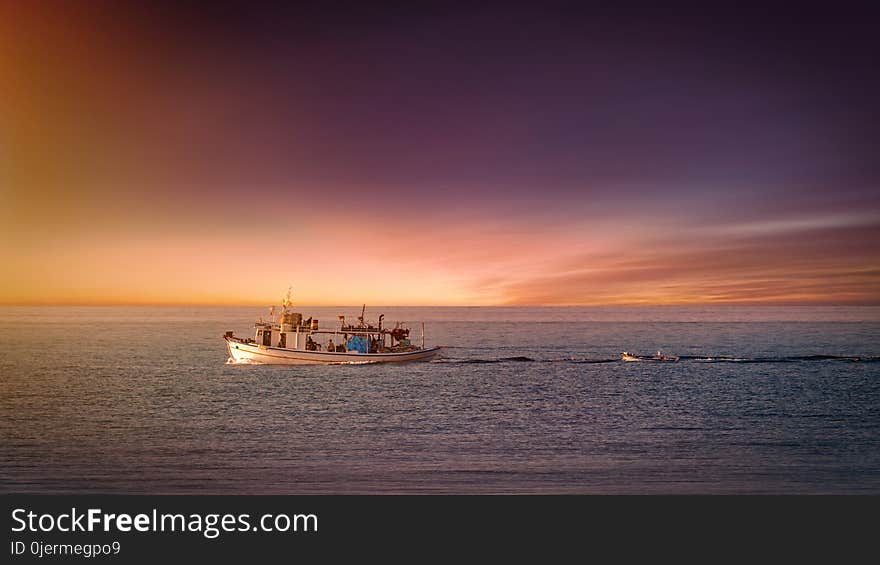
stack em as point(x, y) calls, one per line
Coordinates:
point(626, 356)
point(290, 340)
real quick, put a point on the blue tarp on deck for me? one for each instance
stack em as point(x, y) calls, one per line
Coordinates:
point(357, 343)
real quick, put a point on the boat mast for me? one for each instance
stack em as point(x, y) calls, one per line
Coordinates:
point(287, 300)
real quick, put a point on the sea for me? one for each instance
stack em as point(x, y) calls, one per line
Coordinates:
point(143, 400)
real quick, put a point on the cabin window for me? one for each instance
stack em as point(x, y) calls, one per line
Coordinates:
point(267, 338)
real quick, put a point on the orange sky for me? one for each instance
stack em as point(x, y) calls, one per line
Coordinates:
point(171, 164)
point(437, 262)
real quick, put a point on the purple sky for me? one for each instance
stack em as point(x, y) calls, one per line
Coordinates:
point(671, 134)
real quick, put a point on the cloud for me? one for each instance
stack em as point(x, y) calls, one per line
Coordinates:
point(832, 265)
point(798, 224)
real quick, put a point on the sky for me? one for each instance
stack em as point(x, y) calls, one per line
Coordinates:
point(401, 154)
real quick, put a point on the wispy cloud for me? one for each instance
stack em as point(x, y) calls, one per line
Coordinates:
point(782, 226)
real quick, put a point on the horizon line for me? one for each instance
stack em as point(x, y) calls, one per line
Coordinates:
point(727, 303)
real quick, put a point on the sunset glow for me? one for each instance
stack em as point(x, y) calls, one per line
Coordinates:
point(482, 158)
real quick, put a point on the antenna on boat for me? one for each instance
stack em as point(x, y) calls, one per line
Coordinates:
point(288, 299)
point(361, 318)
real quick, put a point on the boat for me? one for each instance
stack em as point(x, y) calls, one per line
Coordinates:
point(626, 356)
point(288, 339)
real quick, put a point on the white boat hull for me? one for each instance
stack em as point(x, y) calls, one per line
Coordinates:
point(253, 353)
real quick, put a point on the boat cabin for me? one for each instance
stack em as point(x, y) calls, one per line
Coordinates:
point(292, 332)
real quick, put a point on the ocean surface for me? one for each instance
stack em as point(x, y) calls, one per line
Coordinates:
point(772, 400)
